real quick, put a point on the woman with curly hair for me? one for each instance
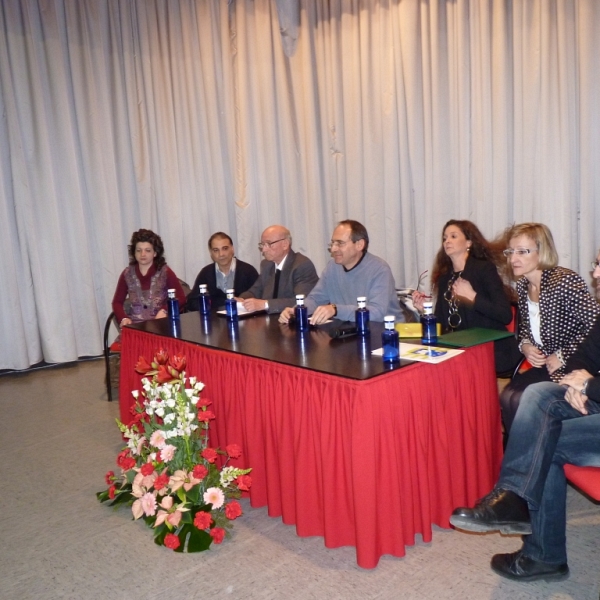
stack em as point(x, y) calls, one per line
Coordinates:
point(144, 283)
point(556, 310)
point(468, 289)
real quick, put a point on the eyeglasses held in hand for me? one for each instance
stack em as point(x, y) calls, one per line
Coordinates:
point(261, 245)
point(519, 251)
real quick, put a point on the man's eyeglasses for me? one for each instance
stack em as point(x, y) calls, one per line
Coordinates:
point(519, 251)
point(595, 264)
point(261, 245)
point(337, 243)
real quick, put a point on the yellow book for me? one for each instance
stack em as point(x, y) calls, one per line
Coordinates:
point(413, 330)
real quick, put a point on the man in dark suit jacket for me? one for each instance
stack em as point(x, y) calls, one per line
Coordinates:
point(225, 272)
point(297, 275)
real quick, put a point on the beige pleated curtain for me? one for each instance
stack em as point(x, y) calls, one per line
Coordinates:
point(191, 116)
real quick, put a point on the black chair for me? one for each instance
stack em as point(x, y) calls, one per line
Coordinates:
point(114, 349)
point(109, 351)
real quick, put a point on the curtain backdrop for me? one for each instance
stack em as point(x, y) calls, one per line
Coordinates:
point(192, 116)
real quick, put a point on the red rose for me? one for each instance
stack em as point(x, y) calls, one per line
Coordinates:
point(217, 534)
point(161, 481)
point(178, 362)
point(244, 482)
point(203, 402)
point(233, 510)
point(147, 469)
point(209, 454)
point(109, 477)
point(172, 541)
point(202, 520)
point(233, 451)
point(163, 375)
point(111, 491)
point(199, 472)
point(142, 366)
point(161, 357)
point(205, 415)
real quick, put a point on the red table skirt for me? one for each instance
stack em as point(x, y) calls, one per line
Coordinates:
point(361, 463)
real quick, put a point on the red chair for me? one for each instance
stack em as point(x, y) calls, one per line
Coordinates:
point(586, 479)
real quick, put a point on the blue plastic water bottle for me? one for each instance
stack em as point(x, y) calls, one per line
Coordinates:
point(390, 340)
point(301, 313)
point(172, 305)
point(231, 306)
point(362, 316)
point(204, 300)
point(428, 325)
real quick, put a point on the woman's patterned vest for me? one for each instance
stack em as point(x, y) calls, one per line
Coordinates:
point(145, 304)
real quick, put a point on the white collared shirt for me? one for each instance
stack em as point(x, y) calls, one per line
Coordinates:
point(225, 280)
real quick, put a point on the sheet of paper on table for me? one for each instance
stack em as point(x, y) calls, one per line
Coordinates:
point(430, 354)
point(241, 310)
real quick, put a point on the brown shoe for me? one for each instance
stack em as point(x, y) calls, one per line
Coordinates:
point(501, 510)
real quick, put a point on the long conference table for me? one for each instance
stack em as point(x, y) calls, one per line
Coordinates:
point(341, 445)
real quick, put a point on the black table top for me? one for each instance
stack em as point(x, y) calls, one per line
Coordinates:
point(262, 336)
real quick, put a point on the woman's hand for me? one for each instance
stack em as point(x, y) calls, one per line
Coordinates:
point(417, 299)
point(125, 321)
point(463, 288)
point(535, 356)
point(553, 363)
point(161, 314)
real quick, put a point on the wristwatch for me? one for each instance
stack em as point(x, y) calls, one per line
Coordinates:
point(266, 305)
point(585, 386)
point(334, 309)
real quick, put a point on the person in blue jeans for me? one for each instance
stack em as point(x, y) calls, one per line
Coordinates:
point(554, 425)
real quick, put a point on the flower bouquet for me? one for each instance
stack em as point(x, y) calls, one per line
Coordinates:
point(170, 476)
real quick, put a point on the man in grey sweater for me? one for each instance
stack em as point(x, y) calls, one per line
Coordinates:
point(351, 273)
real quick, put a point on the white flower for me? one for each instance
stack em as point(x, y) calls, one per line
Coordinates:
point(160, 411)
point(135, 394)
point(193, 381)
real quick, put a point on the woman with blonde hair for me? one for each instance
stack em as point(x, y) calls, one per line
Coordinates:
point(556, 310)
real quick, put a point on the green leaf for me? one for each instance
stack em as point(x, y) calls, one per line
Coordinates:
point(199, 540)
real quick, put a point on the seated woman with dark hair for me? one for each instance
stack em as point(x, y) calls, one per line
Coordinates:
point(144, 283)
point(468, 289)
point(556, 310)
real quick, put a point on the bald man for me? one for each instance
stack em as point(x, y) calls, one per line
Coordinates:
point(297, 275)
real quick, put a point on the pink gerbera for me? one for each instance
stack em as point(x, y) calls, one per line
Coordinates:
point(214, 496)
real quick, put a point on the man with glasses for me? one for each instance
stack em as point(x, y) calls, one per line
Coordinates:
point(351, 273)
point(283, 273)
point(555, 424)
point(225, 272)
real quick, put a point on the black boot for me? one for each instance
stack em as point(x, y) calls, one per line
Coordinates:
point(501, 510)
point(519, 567)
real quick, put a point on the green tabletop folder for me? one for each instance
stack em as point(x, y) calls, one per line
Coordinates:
point(471, 337)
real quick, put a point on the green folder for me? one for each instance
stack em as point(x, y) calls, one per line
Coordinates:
point(471, 337)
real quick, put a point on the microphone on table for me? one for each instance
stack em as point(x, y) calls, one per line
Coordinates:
point(343, 332)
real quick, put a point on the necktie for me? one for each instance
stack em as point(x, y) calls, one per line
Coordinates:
point(276, 284)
